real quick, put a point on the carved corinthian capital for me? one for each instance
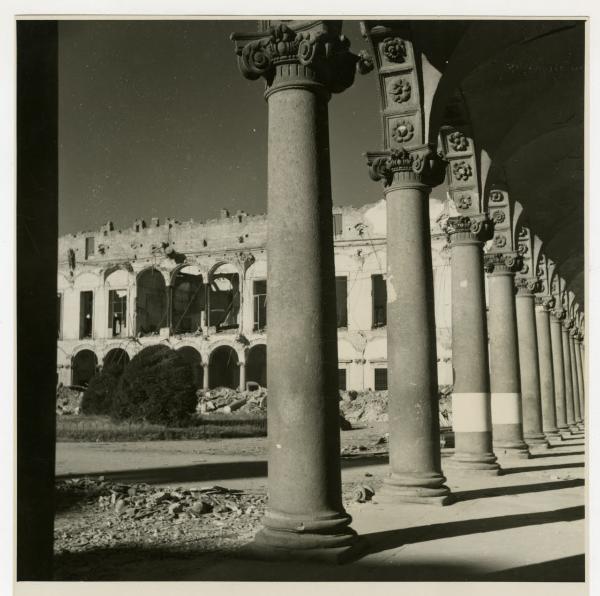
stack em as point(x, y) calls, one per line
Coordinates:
point(407, 167)
point(545, 302)
point(498, 262)
point(314, 55)
point(527, 285)
point(559, 313)
point(467, 229)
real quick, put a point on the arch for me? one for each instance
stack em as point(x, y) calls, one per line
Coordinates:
point(83, 365)
point(192, 356)
point(223, 368)
point(151, 304)
point(224, 281)
point(116, 358)
point(189, 299)
point(256, 364)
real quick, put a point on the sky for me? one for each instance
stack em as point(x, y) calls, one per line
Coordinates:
point(155, 120)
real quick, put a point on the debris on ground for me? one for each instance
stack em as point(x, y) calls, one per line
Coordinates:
point(68, 400)
point(224, 400)
point(110, 513)
point(366, 407)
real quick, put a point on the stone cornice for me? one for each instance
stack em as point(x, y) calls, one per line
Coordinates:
point(402, 168)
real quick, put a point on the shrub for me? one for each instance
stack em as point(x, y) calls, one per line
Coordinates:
point(98, 397)
point(157, 386)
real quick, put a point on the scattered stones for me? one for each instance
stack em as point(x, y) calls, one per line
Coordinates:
point(223, 400)
point(68, 400)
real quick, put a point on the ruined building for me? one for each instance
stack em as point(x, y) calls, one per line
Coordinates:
point(202, 288)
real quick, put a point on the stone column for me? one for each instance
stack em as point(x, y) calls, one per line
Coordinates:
point(242, 366)
point(205, 379)
point(170, 308)
point(415, 461)
point(507, 418)
point(471, 404)
point(542, 318)
point(570, 411)
point(529, 364)
point(305, 516)
point(558, 367)
point(579, 362)
point(575, 378)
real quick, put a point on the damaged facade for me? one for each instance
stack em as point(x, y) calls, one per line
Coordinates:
point(202, 288)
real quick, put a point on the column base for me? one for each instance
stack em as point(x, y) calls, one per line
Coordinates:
point(428, 489)
point(573, 428)
point(513, 451)
point(552, 434)
point(484, 464)
point(537, 441)
point(264, 551)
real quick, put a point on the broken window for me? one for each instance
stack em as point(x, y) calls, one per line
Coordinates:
point(379, 293)
point(189, 303)
point(151, 304)
point(342, 379)
point(224, 299)
point(117, 312)
point(381, 379)
point(341, 298)
point(337, 224)
point(89, 246)
point(260, 304)
point(59, 316)
point(86, 312)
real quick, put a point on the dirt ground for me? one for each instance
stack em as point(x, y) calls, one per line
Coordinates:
point(530, 520)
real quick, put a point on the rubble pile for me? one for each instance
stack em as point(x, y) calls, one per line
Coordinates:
point(365, 407)
point(68, 400)
point(140, 513)
point(376, 447)
point(223, 400)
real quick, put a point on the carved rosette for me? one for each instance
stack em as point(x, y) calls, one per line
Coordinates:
point(399, 168)
point(527, 286)
point(501, 263)
point(465, 228)
point(317, 57)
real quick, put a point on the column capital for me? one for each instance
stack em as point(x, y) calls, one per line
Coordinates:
point(305, 54)
point(501, 263)
point(546, 303)
point(527, 286)
point(469, 229)
point(568, 323)
point(407, 168)
point(559, 313)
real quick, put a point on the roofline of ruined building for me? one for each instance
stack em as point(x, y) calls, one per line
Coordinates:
point(170, 222)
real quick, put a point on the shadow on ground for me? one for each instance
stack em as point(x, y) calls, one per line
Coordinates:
point(133, 563)
point(522, 469)
point(501, 491)
point(211, 471)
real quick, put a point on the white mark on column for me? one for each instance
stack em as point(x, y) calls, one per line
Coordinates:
point(391, 293)
point(278, 446)
point(464, 283)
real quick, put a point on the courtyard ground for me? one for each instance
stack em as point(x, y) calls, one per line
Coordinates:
point(525, 525)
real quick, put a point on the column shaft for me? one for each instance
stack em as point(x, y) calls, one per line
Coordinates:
point(559, 374)
point(568, 378)
point(205, 373)
point(242, 366)
point(305, 504)
point(471, 405)
point(412, 370)
point(529, 369)
point(507, 417)
point(578, 361)
point(546, 371)
point(575, 378)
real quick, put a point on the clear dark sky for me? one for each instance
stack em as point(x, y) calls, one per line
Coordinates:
point(156, 120)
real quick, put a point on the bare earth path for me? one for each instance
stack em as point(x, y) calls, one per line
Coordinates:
point(527, 524)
